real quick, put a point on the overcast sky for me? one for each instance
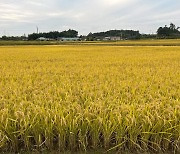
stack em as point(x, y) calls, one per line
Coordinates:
point(22, 16)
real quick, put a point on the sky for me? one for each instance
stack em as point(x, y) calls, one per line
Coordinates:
point(18, 17)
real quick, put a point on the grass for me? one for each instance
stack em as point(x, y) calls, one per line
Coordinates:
point(81, 98)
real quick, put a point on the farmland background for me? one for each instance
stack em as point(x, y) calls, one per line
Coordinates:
point(143, 42)
point(90, 97)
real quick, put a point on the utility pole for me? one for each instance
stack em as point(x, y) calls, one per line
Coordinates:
point(121, 36)
point(4, 33)
point(37, 29)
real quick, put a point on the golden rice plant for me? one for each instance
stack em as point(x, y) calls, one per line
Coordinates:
point(80, 98)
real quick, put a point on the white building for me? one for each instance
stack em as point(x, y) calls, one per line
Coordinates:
point(68, 39)
point(112, 38)
point(42, 39)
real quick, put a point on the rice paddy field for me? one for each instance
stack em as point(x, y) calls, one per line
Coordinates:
point(81, 98)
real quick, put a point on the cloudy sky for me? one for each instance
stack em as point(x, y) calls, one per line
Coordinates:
point(22, 16)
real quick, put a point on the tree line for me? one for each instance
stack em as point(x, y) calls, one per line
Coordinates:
point(168, 32)
point(54, 34)
point(171, 31)
point(123, 34)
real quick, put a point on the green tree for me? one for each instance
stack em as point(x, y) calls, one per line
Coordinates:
point(168, 32)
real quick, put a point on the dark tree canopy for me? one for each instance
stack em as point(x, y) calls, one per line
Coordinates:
point(13, 38)
point(54, 35)
point(171, 31)
point(124, 34)
point(168, 32)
